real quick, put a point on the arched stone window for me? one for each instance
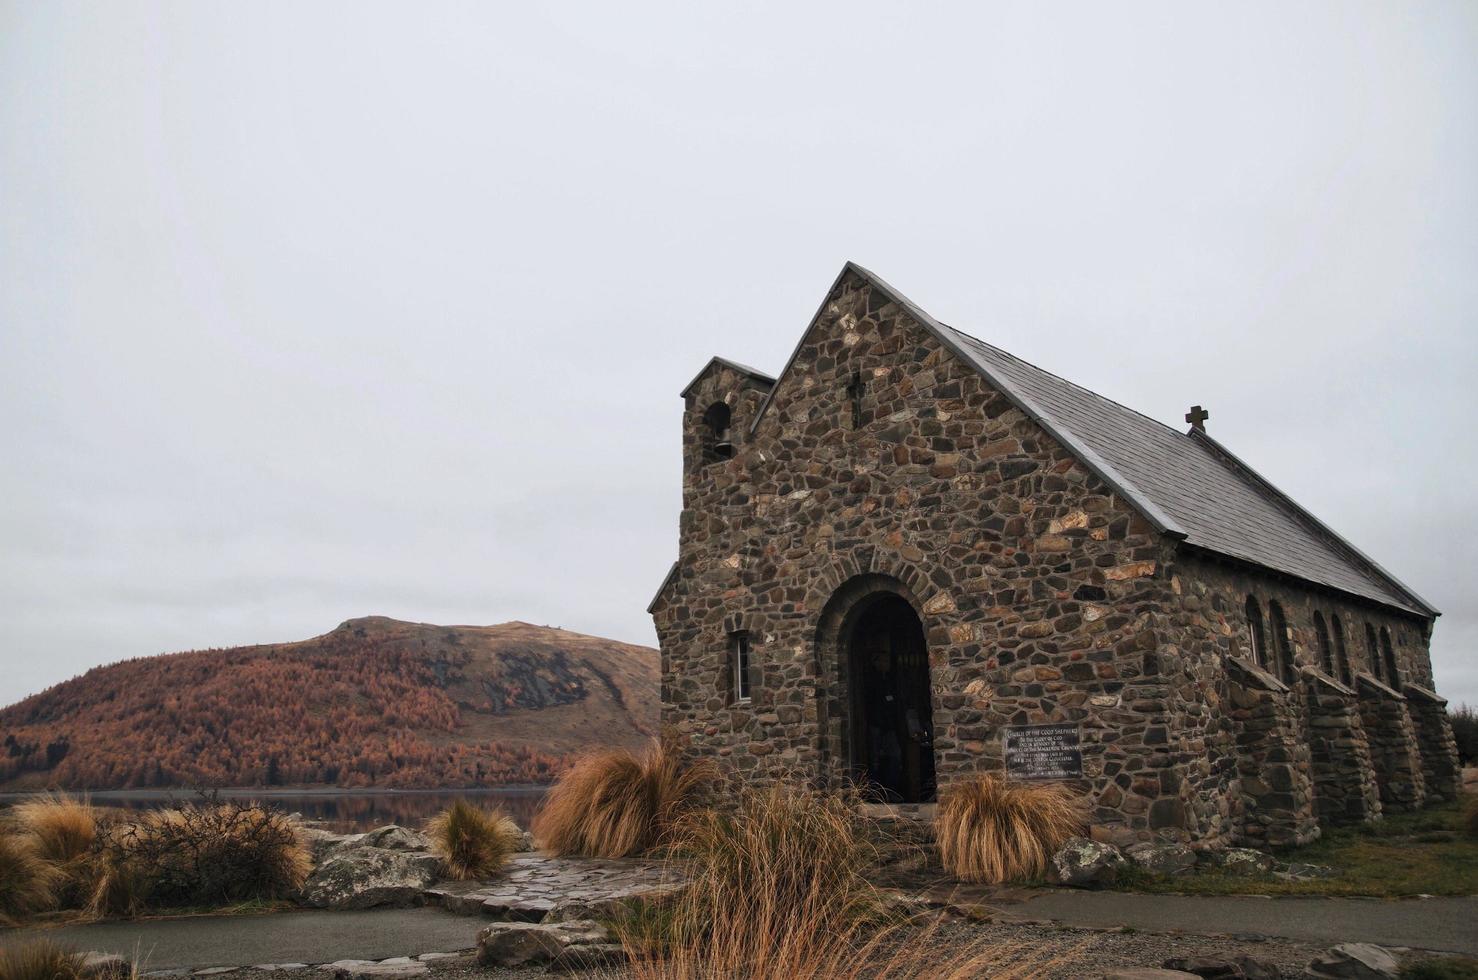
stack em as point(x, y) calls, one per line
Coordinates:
point(1372, 653)
point(1326, 648)
point(1393, 677)
point(1340, 652)
point(1282, 651)
point(715, 430)
point(1257, 638)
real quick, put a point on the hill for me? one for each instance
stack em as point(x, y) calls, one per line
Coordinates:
point(375, 702)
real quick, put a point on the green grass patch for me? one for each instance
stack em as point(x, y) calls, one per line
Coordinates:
point(1441, 968)
point(1405, 854)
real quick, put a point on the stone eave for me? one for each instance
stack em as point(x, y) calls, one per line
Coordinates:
point(764, 379)
point(1221, 557)
point(666, 581)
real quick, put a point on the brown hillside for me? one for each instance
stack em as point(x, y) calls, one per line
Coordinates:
point(375, 702)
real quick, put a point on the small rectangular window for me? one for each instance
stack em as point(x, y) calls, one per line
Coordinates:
point(741, 667)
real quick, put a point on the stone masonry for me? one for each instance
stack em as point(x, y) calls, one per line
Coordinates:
point(885, 471)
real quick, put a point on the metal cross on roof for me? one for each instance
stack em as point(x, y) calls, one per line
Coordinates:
point(1197, 417)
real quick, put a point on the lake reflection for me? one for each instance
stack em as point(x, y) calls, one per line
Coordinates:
point(343, 812)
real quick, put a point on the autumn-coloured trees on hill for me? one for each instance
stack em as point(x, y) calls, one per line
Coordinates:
point(342, 709)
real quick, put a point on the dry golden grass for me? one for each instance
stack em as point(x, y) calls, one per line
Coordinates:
point(472, 842)
point(28, 882)
point(40, 959)
point(64, 827)
point(991, 830)
point(616, 804)
point(779, 890)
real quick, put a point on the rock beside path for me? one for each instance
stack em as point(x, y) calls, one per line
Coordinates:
point(402, 966)
point(1163, 859)
point(578, 943)
point(1083, 862)
point(1232, 968)
point(367, 877)
point(1354, 961)
point(104, 966)
point(1244, 861)
point(1147, 973)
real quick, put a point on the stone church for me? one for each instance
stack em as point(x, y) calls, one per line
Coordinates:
point(913, 557)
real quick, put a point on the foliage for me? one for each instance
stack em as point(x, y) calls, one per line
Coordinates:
point(615, 804)
point(1441, 968)
point(1470, 816)
point(1399, 856)
point(1464, 720)
point(344, 709)
point(208, 854)
point(40, 959)
point(472, 842)
point(991, 830)
point(779, 889)
point(27, 881)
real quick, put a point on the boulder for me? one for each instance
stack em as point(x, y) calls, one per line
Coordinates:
point(1244, 861)
point(1354, 961)
point(1147, 973)
point(1305, 872)
point(104, 966)
point(1240, 967)
point(367, 969)
point(1163, 859)
point(394, 838)
point(1082, 862)
point(366, 877)
point(529, 943)
point(322, 842)
point(525, 843)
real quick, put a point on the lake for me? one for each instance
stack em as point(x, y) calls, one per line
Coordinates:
point(343, 811)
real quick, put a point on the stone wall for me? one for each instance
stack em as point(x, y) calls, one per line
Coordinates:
point(1345, 790)
point(1393, 745)
point(1441, 771)
point(885, 464)
point(1275, 806)
point(1040, 589)
point(1209, 623)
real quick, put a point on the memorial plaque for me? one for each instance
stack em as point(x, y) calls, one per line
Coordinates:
point(1043, 752)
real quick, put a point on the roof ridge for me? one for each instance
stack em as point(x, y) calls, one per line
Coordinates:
point(1067, 381)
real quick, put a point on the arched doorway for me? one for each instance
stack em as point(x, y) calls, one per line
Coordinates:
point(891, 710)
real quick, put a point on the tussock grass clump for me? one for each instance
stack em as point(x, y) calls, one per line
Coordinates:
point(27, 882)
point(64, 827)
point(472, 842)
point(993, 831)
point(616, 804)
point(779, 890)
point(40, 959)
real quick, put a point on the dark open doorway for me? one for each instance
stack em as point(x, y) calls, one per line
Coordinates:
point(892, 712)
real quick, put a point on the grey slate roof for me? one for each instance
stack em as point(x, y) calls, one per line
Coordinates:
point(1211, 497)
point(1187, 485)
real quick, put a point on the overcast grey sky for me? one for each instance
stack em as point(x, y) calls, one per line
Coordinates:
point(314, 311)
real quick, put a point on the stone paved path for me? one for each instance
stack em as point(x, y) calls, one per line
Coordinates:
point(203, 941)
point(1447, 924)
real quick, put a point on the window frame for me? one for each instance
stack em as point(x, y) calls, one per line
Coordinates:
point(741, 659)
point(1256, 636)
